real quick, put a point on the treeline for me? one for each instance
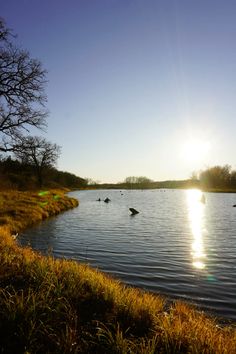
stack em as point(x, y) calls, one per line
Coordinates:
point(142, 182)
point(18, 175)
point(146, 183)
point(221, 177)
point(216, 177)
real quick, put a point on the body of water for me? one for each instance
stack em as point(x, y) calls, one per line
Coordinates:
point(179, 244)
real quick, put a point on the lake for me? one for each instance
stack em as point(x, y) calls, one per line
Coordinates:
point(178, 245)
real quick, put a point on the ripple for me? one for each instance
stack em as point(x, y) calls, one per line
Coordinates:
point(153, 250)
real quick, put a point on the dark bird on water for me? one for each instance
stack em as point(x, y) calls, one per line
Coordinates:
point(133, 211)
point(107, 200)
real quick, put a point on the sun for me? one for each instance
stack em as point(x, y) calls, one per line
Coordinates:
point(195, 150)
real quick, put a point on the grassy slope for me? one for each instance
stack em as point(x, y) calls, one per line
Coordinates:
point(59, 306)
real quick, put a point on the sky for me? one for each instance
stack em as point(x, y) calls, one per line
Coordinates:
point(135, 87)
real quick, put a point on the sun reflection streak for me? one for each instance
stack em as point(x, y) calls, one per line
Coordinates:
point(195, 202)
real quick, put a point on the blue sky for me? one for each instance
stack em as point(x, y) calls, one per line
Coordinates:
point(135, 87)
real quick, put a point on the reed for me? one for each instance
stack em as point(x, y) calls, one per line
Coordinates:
point(61, 306)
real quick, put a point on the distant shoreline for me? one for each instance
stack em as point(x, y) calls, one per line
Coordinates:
point(114, 187)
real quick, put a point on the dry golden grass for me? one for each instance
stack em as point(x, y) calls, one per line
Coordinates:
point(60, 306)
point(19, 210)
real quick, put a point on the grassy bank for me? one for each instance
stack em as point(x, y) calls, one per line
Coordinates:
point(19, 210)
point(59, 306)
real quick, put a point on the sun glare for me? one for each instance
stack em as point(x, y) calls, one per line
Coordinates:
point(195, 150)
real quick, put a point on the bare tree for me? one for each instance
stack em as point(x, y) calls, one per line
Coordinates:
point(216, 176)
point(22, 96)
point(37, 152)
point(138, 182)
point(4, 31)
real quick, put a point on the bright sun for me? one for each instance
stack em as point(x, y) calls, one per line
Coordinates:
point(195, 150)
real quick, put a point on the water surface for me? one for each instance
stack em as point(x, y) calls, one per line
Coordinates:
point(177, 245)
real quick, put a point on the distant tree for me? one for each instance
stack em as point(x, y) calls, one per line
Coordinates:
point(144, 182)
point(233, 178)
point(130, 181)
point(37, 152)
point(194, 176)
point(22, 96)
point(137, 182)
point(216, 177)
point(91, 182)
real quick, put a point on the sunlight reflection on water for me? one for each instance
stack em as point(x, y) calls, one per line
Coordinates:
point(196, 207)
